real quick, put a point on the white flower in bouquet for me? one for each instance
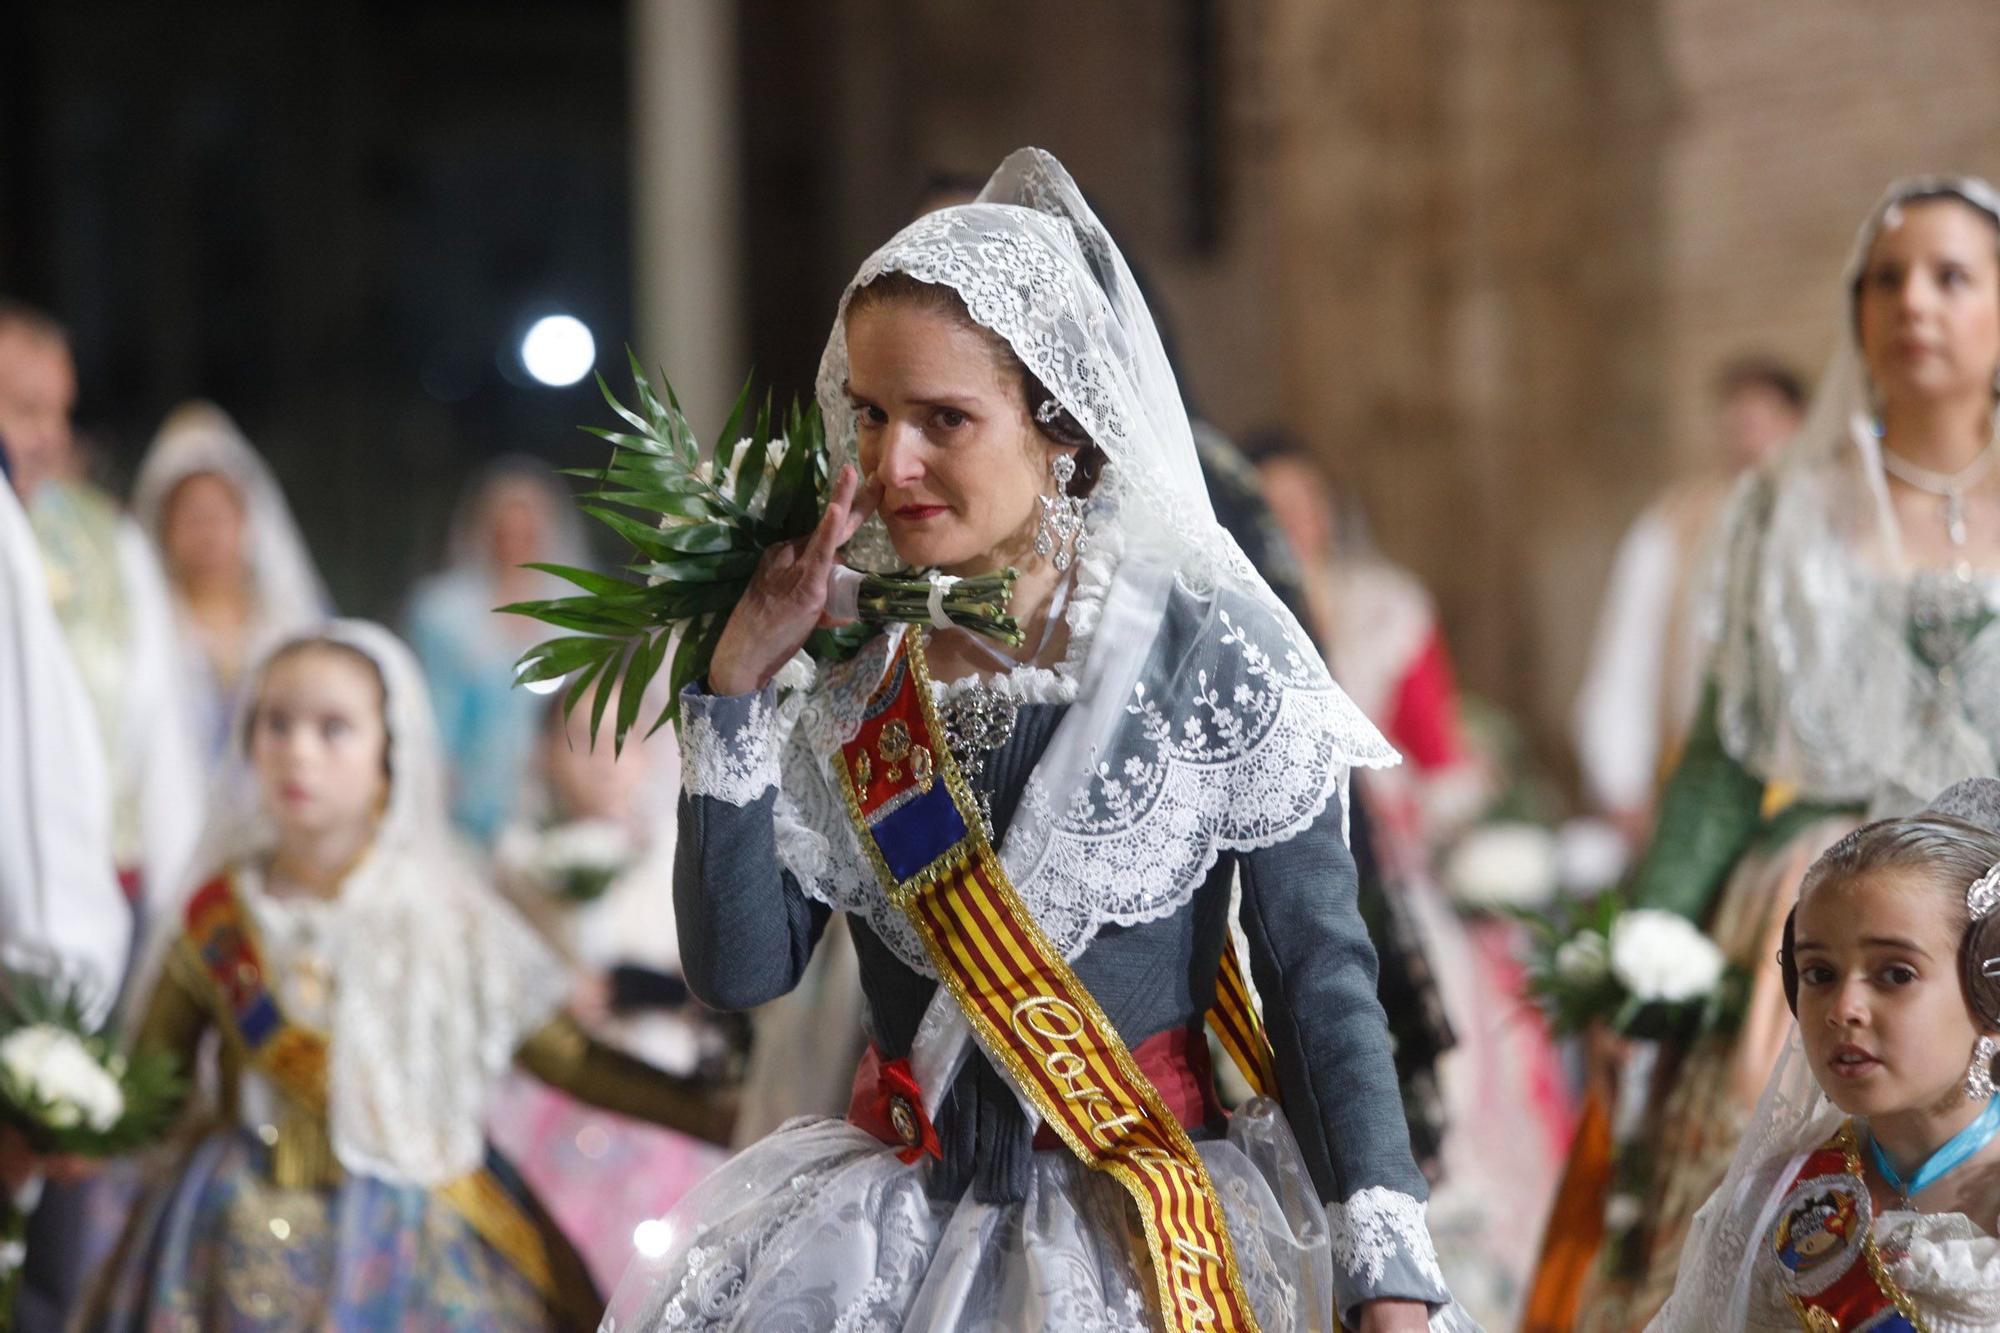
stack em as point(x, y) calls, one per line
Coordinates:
point(1662, 957)
point(53, 1065)
point(797, 674)
point(1623, 1210)
point(585, 845)
point(774, 454)
point(1584, 959)
point(774, 457)
point(1510, 864)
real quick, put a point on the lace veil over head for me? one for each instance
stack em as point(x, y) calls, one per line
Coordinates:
point(438, 980)
point(201, 438)
point(1819, 604)
point(1163, 761)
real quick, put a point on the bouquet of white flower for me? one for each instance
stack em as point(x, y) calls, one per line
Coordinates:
point(697, 531)
point(1643, 972)
point(69, 1090)
point(574, 862)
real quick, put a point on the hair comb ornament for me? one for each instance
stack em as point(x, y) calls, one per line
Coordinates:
point(1983, 897)
point(1047, 411)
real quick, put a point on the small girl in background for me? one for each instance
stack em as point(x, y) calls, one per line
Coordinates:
point(1867, 1192)
point(364, 992)
point(590, 862)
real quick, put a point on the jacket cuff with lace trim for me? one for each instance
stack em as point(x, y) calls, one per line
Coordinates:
point(729, 744)
point(1382, 1251)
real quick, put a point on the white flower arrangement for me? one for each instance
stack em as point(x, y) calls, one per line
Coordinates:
point(50, 1066)
point(66, 1089)
point(1663, 958)
point(1646, 973)
point(1584, 959)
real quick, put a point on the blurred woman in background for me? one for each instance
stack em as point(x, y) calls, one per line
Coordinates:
point(1503, 1103)
point(589, 860)
point(1857, 669)
point(241, 574)
point(513, 514)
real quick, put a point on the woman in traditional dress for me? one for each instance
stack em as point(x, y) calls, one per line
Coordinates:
point(589, 862)
point(1856, 669)
point(1166, 756)
point(363, 991)
point(241, 575)
point(513, 514)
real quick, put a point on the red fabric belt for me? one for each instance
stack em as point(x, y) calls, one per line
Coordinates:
point(1176, 1062)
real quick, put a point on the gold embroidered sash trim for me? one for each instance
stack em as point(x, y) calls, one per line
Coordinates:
point(221, 944)
point(919, 823)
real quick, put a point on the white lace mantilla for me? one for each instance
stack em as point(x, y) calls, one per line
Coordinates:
point(1233, 751)
point(1199, 718)
point(736, 762)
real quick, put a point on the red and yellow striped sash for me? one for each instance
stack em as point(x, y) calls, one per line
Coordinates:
point(919, 824)
point(223, 944)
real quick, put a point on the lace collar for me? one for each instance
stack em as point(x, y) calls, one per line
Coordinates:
point(1219, 744)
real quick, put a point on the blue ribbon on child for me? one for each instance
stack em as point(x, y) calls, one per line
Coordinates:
point(1954, 1154)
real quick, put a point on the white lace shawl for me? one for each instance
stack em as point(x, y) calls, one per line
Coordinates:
point(1816, 681)
point(437, 980)
point(1223, 748)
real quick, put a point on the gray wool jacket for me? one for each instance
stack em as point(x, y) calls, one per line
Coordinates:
point(747, 930)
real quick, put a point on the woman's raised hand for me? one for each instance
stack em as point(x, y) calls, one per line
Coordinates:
point(786, 599)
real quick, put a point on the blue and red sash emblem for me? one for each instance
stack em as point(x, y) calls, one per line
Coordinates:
point(919, 824)
point(1823, 1241)
point(223, 944)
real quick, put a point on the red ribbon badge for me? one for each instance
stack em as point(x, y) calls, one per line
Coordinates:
point(899, 1103)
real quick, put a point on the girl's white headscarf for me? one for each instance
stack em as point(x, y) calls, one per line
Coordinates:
point(437, 980)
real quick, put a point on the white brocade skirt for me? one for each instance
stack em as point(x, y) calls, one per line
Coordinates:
point(820, 1227)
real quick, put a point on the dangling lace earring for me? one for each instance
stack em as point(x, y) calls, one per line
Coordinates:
point(1979, 1084)
point(1059, 534)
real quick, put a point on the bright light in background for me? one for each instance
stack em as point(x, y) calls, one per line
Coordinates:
point(558, 350)
point(540, 686)
point(652, 1238)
